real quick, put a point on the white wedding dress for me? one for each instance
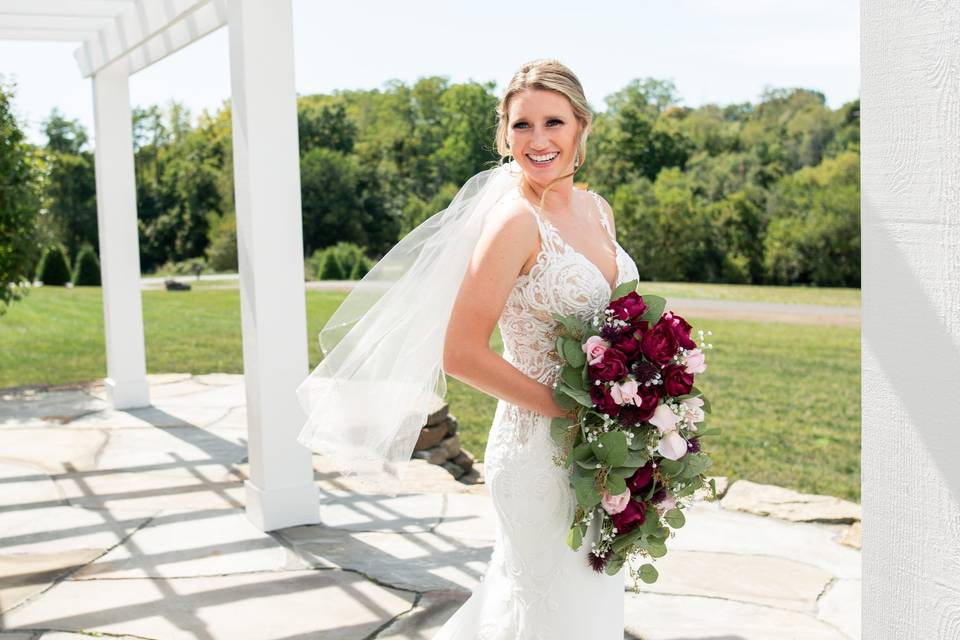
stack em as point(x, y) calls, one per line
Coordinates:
point(535, 587)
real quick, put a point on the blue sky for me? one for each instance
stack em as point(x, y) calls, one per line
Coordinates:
point(718, 51)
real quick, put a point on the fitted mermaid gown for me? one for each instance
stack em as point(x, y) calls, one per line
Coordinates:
point(535, 587)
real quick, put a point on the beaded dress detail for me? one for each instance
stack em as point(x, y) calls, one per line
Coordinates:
point(535, 587)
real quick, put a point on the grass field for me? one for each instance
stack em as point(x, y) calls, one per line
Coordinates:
point(786, 395)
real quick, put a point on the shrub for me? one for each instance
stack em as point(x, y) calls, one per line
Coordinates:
point(342, 261)
point(222, 250)
point(54, 268)
point(86, 271)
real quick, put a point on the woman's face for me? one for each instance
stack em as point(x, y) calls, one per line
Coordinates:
point(542, 132)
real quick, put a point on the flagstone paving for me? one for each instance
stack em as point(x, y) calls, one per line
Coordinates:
point(131, 524)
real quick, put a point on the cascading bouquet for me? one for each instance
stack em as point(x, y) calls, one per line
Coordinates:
point(634, 446)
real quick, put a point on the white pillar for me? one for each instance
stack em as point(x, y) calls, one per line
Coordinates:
point(280, 491)
point(126, 380)
point(910, 213)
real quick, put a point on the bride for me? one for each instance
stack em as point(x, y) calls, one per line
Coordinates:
point(547, 247)
point(518, 243)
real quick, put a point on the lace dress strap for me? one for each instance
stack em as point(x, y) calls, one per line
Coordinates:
point(549, 238)
point(603, 215)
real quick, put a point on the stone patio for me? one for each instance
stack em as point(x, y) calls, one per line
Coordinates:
point(131, 524)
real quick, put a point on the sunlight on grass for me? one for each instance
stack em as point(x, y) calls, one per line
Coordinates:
point(786, 395)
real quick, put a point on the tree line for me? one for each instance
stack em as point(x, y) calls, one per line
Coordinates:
point(764, 193)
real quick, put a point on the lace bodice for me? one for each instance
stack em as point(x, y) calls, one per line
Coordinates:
point(562, 280)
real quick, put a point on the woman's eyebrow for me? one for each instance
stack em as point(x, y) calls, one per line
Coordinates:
point(544, 117)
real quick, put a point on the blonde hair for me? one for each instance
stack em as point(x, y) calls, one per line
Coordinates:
point(549, 75)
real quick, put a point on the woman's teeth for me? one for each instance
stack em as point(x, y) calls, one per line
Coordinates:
point(544, 159)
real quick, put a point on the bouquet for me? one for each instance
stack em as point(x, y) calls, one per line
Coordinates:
point(631, 437)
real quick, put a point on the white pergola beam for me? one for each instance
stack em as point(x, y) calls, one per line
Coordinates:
point(147, 31)
point(280, 491)
point(126, 381)
point(103, 8)
point(45, 22)
point(64, 35)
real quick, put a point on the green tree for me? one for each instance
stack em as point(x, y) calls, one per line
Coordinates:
point(69, 188)
point(54, 267)
point(19, 201)
point(86, 271)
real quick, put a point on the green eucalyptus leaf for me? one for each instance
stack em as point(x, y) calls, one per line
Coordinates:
point(656, 548)
point(655, 307)
point(610, 448)
point(573, 353)
point(574, 538)
point(615, 485)
point(624, 288)
point(572, 378)
point(614, 563)
point(648, 573)
point(675, 518)
point(563, 400)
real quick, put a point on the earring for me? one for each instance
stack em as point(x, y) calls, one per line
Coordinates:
point(576, 160)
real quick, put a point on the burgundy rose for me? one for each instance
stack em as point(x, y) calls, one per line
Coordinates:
point(681, 329)
point(612, 368)
point(649, 399)
point(640, 480)
point(628, 344)
point(658, 495)
point(629, 306)
point(676, 381)
point(659, 344)
point(631, 517)
point(639, 325)
point(600, 395)
point(693, 445)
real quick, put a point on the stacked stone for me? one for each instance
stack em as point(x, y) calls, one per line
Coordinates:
point(439, 442)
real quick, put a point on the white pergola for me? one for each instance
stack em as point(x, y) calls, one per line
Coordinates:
point(118, 38)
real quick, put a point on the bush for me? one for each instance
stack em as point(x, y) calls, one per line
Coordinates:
point(222, 250)
point(342, 261)
point(54, 268)
point(187, 267)
point(86, 271)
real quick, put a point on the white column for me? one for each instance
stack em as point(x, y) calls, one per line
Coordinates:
point(126, 380)
point(280, 491)
point(910, 213)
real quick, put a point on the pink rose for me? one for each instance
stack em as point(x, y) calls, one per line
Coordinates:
point(625, 392)
point(693, 412)
point(614, 504)
point(664, 419)
point(672, 446)
point(695, 362)
point(594, 348)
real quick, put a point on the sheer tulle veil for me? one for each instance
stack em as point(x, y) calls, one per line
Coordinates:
point(383, 347)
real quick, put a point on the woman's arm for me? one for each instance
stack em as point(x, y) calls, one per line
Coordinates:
point(508, 239)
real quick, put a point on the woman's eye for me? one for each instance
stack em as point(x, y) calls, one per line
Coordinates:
point(519, 125)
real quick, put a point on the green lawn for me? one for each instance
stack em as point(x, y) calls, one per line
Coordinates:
point(786, 395)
